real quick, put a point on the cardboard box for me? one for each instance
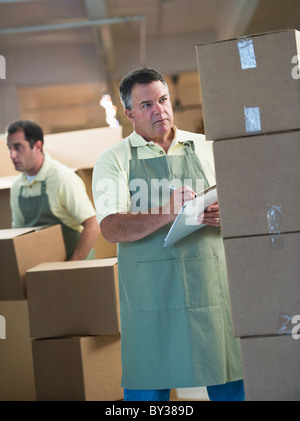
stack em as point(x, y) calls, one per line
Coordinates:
point(73, 298)
point(6, 166)
point(258, 182)
point(16, 362)
point(264, 282)
point(250, 85)
point(5, 211)
point(23, 248)
point(78, 369)
point(103, 249)
point(271, 368)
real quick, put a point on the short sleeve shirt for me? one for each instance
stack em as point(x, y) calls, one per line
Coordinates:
point(66, 192)
point(111, 172)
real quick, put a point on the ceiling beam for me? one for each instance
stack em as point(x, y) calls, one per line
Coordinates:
point(97, 9)
point(70, 25)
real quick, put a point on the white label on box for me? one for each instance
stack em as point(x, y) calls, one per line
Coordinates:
point(247, 53)
point(252, 119)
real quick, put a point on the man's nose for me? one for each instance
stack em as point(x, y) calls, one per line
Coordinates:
point(13, 153)
point(159, 107)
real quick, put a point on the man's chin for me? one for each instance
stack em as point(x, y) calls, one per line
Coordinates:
point(18, 167)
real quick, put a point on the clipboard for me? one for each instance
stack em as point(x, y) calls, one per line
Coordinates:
point(186, 221)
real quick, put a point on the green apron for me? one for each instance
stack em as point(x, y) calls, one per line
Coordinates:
point(176, 328)
point(36, 212)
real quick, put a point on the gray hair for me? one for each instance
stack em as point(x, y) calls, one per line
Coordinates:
point(142, 76)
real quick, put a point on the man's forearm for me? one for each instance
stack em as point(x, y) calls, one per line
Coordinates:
point(132, 227)
point(87, 239)
point(119, 228)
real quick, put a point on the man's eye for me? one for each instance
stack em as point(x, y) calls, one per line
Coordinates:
point(146, 105)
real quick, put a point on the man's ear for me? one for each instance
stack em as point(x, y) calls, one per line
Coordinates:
point(129, 115)
point(39, 145)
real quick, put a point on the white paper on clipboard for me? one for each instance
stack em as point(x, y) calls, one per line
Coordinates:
point(186, 221)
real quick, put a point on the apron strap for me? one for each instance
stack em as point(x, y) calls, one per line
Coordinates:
point(189, 146)
point(133, 150)
point(43, 188)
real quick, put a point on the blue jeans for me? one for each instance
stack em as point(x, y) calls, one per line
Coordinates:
point(232, 391)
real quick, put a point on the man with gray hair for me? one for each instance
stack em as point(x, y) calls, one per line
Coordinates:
point(176, 329)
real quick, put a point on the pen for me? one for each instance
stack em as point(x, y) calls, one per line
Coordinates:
point(204, 192)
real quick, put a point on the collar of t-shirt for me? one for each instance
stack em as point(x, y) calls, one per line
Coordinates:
point(30, 178)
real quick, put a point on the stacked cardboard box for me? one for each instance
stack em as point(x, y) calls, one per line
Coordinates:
point(251, 105)
point(75, 330)
point(20, 252)
point(21, 249)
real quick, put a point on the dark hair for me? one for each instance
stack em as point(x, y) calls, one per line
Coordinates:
point(142, 76)
point(32, 131)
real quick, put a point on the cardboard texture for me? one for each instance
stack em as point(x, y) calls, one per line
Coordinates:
point(6, 168)
point(73, 298)
point(257, 177)
point(78, 369)
point(5, 212)
point(264, 282)
point(16, 367)
point(271, 368)
point(103, 249)
point(259, 72)
point(22, 249)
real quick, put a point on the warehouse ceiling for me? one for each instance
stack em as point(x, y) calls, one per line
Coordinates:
point(125, 34)
point(134, 23)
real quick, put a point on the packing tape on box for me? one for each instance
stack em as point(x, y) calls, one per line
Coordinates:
point(248, 61)
point(247, 53)
point(286, 324)
point(274, 216)
point(252, 119)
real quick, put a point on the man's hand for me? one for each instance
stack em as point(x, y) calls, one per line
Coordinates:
point(179, 197)
point(132, 227)
point(211, 216)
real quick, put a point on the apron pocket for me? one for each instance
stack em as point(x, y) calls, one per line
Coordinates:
point(202, 282)
point(160, 285)
point(179, 284)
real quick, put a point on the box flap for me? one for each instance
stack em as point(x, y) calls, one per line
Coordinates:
point(259, 34)
point(6, 234)
point(79, 264)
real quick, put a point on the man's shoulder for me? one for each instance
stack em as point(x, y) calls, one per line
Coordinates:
point(17, 182)
point(187, 135)
point(116, 151)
